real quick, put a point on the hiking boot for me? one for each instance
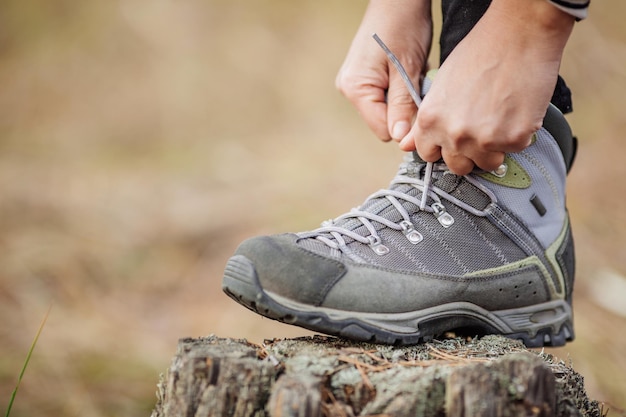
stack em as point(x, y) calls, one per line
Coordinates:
point(483, 253)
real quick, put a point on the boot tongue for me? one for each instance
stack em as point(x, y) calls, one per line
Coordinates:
point(457, 186)
point(463, 190)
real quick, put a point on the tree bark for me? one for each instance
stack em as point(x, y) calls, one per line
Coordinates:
point(324, 376)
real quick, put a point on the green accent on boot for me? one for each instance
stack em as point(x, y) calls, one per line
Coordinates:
point(431, 73)
point(515, 176)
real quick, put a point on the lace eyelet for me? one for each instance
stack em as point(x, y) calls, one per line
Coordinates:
point(444, 218)
point(377, 246)
point(501, 171)
point(409, 231)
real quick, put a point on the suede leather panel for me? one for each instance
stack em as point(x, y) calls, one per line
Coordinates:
point(369, 289)
point(285, 268)
point(309, 278)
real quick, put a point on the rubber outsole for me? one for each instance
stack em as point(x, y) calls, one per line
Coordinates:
point(242, 284)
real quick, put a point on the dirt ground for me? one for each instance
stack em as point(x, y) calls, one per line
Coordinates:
point(142, 140)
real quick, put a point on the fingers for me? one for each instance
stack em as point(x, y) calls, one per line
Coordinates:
point(370, 82)
point(453, 131)
point(382, 100)
point(460, 153)
point(400, 107)
point(458, 162)
point(461, 165)
point(368, 97)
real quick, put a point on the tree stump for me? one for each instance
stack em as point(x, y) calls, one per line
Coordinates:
point(327, 376)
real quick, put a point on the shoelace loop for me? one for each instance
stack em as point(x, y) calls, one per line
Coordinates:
point(333, 234)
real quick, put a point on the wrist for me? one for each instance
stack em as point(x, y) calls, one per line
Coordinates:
point(538, 17)
point(404, 25)
point(400, 12)
point(533, 24)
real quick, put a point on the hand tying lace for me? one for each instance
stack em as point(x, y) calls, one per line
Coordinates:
point(333, 233)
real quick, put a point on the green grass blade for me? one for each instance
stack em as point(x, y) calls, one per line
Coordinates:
point(30, 353)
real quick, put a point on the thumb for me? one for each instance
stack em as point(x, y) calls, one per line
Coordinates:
point(401, 108)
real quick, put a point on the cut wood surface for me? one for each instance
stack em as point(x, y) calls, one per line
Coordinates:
point(326, 376)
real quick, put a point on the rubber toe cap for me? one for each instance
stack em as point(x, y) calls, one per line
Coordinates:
point(286, 269)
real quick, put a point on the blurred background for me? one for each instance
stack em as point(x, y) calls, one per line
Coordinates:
point(142, 140)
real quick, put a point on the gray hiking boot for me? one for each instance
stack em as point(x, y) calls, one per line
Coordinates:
point(484, 253)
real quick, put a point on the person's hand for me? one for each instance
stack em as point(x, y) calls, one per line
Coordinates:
point(493, 90)
point(370, 81)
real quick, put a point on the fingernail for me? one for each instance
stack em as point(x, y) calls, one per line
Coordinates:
point(400, 130)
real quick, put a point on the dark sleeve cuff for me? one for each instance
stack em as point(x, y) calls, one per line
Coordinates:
point(577, 8)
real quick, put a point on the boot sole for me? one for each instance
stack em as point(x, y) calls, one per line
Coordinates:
point(545, 324)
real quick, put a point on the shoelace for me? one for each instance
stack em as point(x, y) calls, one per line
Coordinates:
point(332, 233)
point(412, 175)
point(366, 218)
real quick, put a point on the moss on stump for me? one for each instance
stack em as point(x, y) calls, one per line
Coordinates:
point(327, 376)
